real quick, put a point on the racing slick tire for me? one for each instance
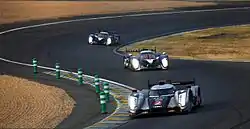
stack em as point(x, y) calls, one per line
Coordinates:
point(118, 40)
point(132, 116)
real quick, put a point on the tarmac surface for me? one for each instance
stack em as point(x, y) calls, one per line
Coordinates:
point(225, 85)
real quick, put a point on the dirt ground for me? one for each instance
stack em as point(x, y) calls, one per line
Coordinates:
point(26, 104)
point(226, 43)
point(14, 11)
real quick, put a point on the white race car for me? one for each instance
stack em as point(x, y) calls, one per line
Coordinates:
point(146, 59)
point(166, 96)
point(104, 38)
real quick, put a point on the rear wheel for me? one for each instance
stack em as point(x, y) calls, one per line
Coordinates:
point(188, 108)
point(132, 115)
point(117, 40)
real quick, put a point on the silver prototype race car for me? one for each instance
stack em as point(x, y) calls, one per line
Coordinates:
point(104, 38)
point(166, 96)
point(146, 59)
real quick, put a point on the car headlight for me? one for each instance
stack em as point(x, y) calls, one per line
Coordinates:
point(132, 101)
point(109, 41)
point(90, 39)
point(164, 62)
point(182, 98)
point(135, 63)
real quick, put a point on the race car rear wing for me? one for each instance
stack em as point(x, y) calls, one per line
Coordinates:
point(162, 82)
point(184, 82)
point(139, 50)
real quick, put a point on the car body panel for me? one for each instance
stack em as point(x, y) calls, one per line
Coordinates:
point(165, 98)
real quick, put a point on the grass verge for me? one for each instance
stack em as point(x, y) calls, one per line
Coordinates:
point(225, 43)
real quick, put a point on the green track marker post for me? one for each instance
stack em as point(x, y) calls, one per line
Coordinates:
point(57, 71)
point(80, 80)
point(103, 102)
point(97, 84)
point(34, 62)
point(106, 90)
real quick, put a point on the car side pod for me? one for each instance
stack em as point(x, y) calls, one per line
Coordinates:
point(188, 106)
point(132, 103)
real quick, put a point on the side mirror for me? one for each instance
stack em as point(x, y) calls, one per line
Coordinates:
point(163, 53)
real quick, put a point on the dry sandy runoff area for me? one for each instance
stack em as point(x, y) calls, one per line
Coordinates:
point(26, 104)
point(13, 11)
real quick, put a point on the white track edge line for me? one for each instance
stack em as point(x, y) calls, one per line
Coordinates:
point(53, 69)
point(111, 93)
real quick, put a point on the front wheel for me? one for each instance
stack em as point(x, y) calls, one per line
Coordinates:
point(188, 109)
point(132, 116)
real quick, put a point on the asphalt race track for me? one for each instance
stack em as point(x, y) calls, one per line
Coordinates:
point(225, 85)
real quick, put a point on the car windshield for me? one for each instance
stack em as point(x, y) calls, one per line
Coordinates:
point(147, 56)
point(161, 92)
point(103, 32)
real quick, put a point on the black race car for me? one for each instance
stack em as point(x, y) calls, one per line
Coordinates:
point(146, 59)
point(104, 38)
